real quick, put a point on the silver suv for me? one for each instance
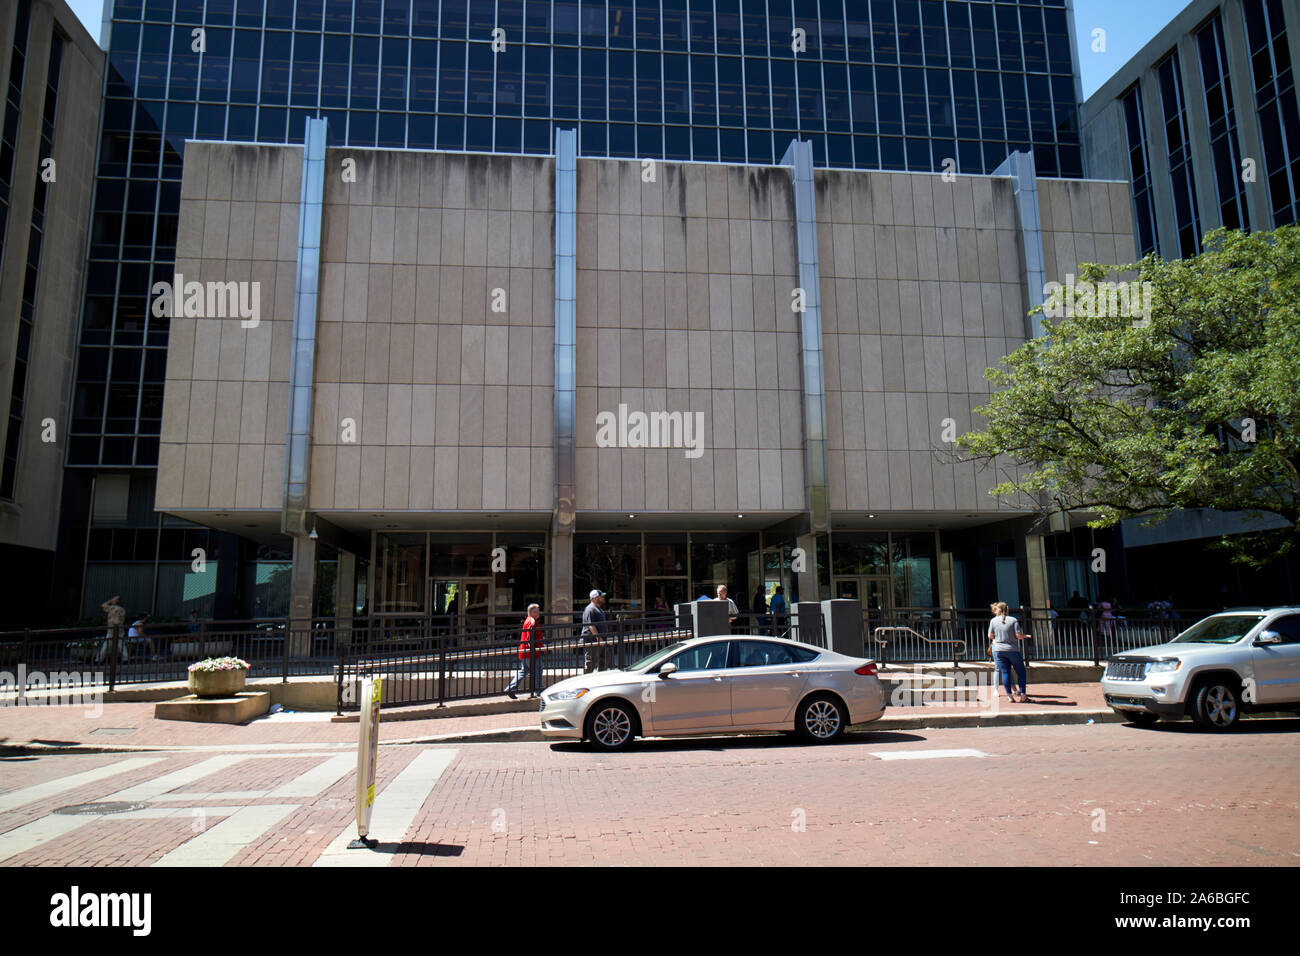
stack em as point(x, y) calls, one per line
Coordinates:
point(1239, 660)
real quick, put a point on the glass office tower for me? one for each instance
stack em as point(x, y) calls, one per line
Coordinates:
point(917, 85)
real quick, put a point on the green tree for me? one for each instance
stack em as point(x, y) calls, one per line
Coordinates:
point(1196, 408)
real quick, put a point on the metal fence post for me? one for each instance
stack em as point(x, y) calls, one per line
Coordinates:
point(114, 643)
point(22, 655)
point(338, 709)
point(288, 639)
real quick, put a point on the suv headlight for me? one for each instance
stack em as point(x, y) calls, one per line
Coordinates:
point(1164, 667)
point(569, 694)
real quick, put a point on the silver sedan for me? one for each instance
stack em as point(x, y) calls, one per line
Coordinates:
point(712, 685)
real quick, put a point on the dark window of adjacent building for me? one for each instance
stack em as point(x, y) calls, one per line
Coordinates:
point(1221, 118)
point(31, 275)
point(1275, 101)
point(13, 102)
point(1182, 181)
point(1144, 212)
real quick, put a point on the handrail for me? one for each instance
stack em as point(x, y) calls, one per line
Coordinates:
point(958, 653)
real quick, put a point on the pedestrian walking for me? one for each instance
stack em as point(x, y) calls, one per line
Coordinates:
point(113, 644)
point(593, 631)
point(1005, 636)
point(530, 653)
point(137, 636)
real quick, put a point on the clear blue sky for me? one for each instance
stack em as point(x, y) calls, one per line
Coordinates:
point(1128, 24)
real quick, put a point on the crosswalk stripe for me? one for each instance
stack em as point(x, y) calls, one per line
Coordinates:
point(926, 754)
point(177, 778)
point(41, 791)
point(219, 843)
point(318, 779)
point(29, 835)
point(394, 812)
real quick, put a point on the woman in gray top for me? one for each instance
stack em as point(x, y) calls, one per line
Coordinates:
point(1004, 647)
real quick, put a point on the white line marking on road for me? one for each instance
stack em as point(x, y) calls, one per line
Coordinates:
point(193, 795)
point(318, 779)
point(925, 754)
point(394, 812)
point(177, 778)
point(40, 831)
point(40, 791)
point(218, 844)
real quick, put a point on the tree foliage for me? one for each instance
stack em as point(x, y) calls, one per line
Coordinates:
point(1119, 418)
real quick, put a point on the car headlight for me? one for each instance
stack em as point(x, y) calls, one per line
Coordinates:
point(1164, 667)
point(569, 694)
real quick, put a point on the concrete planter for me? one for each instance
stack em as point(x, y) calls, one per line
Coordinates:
point(217, 683)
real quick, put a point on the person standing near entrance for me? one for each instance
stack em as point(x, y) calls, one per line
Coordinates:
point(593, 630)
point(113, 643)
point(733, 612)
point(1005, 636)
point(777, 611)
point(530, 653)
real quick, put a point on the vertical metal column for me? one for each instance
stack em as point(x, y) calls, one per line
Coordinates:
point(566, 369)
point(1019, 166)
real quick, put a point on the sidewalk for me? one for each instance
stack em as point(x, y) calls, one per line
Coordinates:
point(130, 726)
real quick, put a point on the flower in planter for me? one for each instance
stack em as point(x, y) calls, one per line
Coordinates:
point(217, 664)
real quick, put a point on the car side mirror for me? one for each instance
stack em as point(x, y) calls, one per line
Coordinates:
point(668, 669)
point(1268, 637)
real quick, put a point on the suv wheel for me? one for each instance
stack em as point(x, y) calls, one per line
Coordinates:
point(1216, 705)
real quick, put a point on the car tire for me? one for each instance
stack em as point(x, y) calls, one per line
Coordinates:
point(821, 719)
point(610, 726)
point(1141, 718)
point(1216, 704)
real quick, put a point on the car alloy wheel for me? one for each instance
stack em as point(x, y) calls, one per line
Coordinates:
point(1216, 706)
point(611, 727)
point(822, 720)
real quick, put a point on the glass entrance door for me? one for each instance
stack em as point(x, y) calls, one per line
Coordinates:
point(873, 590)
point(461, 605)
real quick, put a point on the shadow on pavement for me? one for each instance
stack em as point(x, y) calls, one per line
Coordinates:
point(1248, 725)
point(748, 742)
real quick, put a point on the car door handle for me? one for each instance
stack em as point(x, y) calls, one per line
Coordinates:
point(719, 678)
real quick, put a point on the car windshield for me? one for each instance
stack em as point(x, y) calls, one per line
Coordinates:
point(655, 656)
point(1226, 629)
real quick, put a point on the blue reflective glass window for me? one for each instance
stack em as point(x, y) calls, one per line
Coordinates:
point(245, 68)
point(818, 141)
point(209, 122)
point(969, 157)
point(338, 124)
point(272, 123)
point(942, 121)
point(866, 152)
point(622, 139)
point(984, 36)
point(703, 90)
point(649, 89)
point(731, 92)
point(591, 22)
point(702, 29)
point(275, 69)
point(884, 32)
point(393, 73)
point(809, 73)
point(509, 135)
point(537, 81)
point(451, 132)
point(397, 17)
point(451, 79)
point(392, 130)
point(677, 27)
point(857, 35)
point(753, 24)
point(338, 14)
point(863, 98)
point(759, 143)
point(365, 72)
point(184, 80)
point(992, 123)
point(478, 84)
point(677, 103)
point(622, 86)
point(566, 83)
point(334, 71)
point(649, 141)
point(1008, 29)
point(1045, 160)
point(424, 23)
point(128, 9)
point(306, 69)
point(278, 14)
point(918, 153)
point(248, 13)
point(785, 103)
point(959, 38)
point(805, 17)
point(593, 84)
point(1014, 105)
point(152, 76)
point(1033, 40)
point(758, 93)
point(910, 48)
point(704, 142)
point(621, 25)
point(309, 15)
point(728, 26)
point(424, 77)
point(648, 25)
point(839, 150)
point(368, 18)
point(677, 142)
point(966, 106)
point(934, 36)
point(510, 81)
point(835, 76)
point(889, 101)
point(242, 123)
point(1059, 55)
point(915, 111)
point(780, 29)
point(454, 20)
point(537, 136)
point(1042, 123)
point(994, 153)
point(732, 145)
point(482, 20)
point(566, 22)
point(214, 78)
point(1070, 161)
point(537, 21)
point(833, 40)
point(591, 139)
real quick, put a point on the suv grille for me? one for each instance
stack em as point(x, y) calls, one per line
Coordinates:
point(1126, 670)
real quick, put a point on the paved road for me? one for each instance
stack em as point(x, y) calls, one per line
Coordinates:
point(1104, 794)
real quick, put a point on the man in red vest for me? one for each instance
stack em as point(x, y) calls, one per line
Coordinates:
point(530, 653)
